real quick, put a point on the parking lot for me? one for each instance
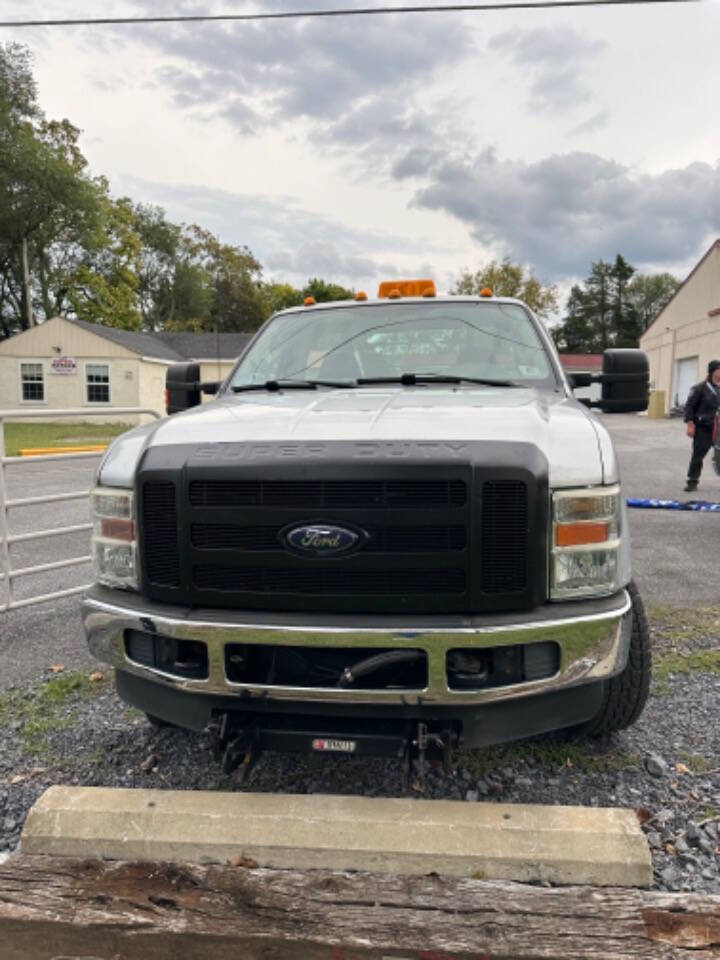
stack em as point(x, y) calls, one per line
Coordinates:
point(672, 551)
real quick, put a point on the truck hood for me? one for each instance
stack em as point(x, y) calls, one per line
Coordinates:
point(576, 445)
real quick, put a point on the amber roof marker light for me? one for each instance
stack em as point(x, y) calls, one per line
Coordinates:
point(486, 292)
point(309, 302)
point(392, 289)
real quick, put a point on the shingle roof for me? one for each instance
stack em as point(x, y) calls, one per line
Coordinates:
point(206, 346)
point(144, 344)
point(172, 346)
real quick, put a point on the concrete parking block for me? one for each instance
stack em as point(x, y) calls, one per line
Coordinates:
point(562, 845)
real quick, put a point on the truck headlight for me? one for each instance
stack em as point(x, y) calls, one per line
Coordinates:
point(114, 546)
point(585, 543)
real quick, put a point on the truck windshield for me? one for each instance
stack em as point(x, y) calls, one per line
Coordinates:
point(358, 341)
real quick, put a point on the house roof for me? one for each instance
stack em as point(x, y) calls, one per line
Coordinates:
point(715, 245)
point(206, 346)
point(171, 346)
point(144, 344)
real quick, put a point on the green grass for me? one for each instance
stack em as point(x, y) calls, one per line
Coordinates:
point(669, 662)
point(679, 626)
point(684, 643)
point(45, 710)
point(549, 753)
point(695, 762)
point(22, 435)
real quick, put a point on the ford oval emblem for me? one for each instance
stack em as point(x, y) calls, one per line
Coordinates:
point(320, 539)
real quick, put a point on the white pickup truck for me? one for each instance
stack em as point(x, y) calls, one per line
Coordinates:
point(392, 530)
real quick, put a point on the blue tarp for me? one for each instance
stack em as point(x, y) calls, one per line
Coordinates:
point(650, 504)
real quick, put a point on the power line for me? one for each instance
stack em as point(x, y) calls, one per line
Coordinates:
point(348, 12)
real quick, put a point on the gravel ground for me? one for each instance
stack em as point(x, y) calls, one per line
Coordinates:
point(70, 728)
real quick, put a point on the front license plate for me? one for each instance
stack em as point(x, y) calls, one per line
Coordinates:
point(335, 746)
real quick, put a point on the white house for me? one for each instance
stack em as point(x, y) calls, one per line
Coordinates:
point(66, 363)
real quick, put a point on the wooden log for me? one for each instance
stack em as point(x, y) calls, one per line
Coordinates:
point(67, 909)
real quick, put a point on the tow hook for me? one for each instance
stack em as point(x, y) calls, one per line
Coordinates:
point(234, 750)
point(427, 749)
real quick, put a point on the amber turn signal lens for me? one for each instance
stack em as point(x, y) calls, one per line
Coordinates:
point(577, 534)
point(116, 529)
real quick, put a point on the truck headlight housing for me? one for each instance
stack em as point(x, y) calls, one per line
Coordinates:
point(584, 558)
point(114, 544)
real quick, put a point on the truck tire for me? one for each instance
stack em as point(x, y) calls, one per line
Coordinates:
point(624, 695)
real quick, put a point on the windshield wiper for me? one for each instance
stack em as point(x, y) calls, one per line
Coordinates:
point(413, 379)
point(274, 385)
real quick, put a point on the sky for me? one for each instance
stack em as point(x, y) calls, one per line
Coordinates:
point(366, 148)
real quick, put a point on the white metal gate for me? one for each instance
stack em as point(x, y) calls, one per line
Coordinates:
point(7, 574)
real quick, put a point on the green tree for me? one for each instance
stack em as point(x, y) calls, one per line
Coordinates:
point(66, 246)
point(103, 287)
point(612, 308)
point(649, 293)
point(324, 292)
point(507, 279)
point(280, 296)
point(47, 199)
point(234, 280)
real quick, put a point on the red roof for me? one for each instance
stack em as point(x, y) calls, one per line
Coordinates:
point(581, 361)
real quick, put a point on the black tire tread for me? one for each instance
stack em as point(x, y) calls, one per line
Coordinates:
point(625, 695)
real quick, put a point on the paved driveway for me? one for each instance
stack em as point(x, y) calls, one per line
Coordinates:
point(675, 553)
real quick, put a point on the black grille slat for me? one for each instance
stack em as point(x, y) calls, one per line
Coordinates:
point(340, 494)
point(321, 581)
point(222, 536)
point(160, 533)
point(504, 536)
point(417, 540)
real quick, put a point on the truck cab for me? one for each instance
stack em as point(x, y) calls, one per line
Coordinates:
point(393, 529)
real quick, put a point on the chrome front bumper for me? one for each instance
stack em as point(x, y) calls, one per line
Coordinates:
point(594, 638)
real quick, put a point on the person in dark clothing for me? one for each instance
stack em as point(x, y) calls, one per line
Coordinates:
point(701, 409)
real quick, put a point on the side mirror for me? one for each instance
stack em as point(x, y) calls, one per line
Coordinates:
point(182, 387)
point(625, 381)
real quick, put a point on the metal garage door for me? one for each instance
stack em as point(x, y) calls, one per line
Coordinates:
point(686, 374)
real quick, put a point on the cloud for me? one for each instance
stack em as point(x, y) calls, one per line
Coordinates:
point(322, 70)
point(555, 60)
point(597, 121)
point(565, 211)
point(292, 242)
point(415, 162)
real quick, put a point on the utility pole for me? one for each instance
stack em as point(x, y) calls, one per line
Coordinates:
point(26, 284)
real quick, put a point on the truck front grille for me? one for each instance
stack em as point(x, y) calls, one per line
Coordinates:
point(435, 537)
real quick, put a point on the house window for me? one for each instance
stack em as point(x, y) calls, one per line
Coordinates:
point(97, 376)
point(33, 383)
